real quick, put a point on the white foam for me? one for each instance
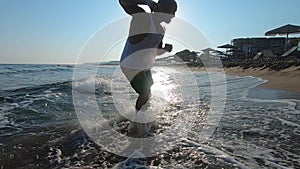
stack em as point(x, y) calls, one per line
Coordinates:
point(275, 165)
point(88, 85)
point(286, 122)
point(216, 152)
point(3, 121)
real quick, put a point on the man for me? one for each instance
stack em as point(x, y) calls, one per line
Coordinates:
point(145, 43)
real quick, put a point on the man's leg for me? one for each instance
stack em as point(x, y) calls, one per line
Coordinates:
point(142, 83)
point(142, 100)
point(149, 78)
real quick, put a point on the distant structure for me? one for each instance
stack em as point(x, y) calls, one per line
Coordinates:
point(248, 48)
point(182, 57)
point(276, 53)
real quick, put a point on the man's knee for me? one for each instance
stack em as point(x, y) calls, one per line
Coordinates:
point(145, 95)
point(147, 92)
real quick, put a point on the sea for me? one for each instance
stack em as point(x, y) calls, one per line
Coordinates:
point(40, 126)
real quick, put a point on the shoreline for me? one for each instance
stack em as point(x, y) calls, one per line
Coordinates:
point(287, 79)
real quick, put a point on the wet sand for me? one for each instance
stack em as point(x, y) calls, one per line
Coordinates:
point(286, 79)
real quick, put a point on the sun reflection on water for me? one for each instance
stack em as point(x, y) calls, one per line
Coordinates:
point(164, 85)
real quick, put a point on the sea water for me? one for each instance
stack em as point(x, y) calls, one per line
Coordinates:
point(259, 128)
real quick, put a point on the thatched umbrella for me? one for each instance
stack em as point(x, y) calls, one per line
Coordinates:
point(227, 47)
point(207, 50)
point(284, 30)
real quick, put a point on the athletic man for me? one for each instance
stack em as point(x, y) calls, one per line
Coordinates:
point(145, 43)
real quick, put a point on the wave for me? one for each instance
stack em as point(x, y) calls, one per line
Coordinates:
point(36, 88)
point(42, 118)
point(92, 85)
point(32, 69)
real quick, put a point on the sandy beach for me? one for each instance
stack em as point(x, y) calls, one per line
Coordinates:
point(286, 79)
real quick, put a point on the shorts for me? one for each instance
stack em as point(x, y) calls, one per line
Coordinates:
point(142, 82)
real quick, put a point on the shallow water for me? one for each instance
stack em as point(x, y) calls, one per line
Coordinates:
point(39, 128)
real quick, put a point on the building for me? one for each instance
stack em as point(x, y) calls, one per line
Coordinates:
point(249, 47)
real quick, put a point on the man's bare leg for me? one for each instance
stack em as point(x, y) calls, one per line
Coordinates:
point(141, 100)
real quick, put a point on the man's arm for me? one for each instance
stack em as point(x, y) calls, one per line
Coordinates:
point(134, 2)
point(131, 6)
point(161, 50)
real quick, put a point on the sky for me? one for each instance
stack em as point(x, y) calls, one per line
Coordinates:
point(55, 31)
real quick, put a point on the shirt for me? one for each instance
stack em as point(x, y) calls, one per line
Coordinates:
point(141, 56)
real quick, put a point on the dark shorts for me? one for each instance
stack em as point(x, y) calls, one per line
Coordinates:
point(142, 82)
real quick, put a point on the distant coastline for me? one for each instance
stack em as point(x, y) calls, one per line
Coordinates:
point(282, 73)
point(103, 63)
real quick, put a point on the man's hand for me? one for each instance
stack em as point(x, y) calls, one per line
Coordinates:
point(155, 7)
point(168, 47)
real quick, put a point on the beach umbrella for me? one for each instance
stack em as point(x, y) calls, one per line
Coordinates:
point(284, 30)
point(208, 50)
point(226, 46)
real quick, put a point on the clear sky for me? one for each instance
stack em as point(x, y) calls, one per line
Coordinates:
point(54, 31)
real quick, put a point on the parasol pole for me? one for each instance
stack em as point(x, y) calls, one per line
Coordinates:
point(286, 41)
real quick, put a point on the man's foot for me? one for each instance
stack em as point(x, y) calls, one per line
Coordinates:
point(138, 130)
